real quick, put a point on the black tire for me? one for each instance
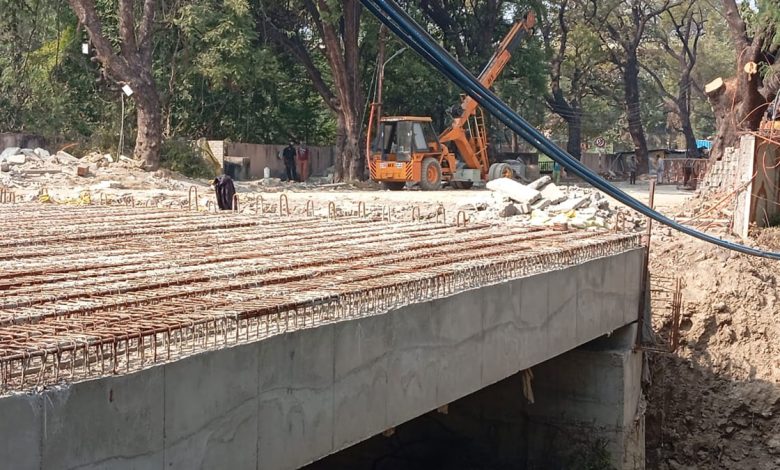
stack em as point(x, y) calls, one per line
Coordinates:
point(430, 175)
point(500, 170)
point(394, 185)
point(492, 171)
point(462, 184)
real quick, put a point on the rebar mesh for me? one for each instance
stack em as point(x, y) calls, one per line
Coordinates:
point(94, 290)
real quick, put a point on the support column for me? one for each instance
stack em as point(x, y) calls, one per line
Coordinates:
point(589, 405)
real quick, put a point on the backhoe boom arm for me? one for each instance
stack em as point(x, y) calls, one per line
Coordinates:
point(472, 153)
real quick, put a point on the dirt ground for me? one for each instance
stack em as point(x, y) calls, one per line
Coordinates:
point(715, 402)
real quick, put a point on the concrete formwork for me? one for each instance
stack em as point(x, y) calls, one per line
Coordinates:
point(296, 397)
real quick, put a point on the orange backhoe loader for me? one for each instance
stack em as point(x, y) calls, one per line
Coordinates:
point(406, 149)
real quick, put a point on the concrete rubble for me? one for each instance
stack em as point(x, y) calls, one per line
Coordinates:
point(32, 172)
point(515, 191)
point(543, 203)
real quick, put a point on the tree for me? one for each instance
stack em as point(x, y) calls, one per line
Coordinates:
point(324, 37)
point(131, 66)
point(740, 101)
point(686, 22)
point(622, 27)
point(575, 63)
point(468, 26)
point(225, 83)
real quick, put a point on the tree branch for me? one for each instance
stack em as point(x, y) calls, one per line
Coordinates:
point(298, 50)
point(127, 28)
point(658, 82)
point(737, 26)
point(439, 13)
point(145, 30)
point(115, 65)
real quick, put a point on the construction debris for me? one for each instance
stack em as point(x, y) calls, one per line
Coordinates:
point(552, 193)
point(20, 159)
point(540, 183)
point(578, 208)
point(515, 191)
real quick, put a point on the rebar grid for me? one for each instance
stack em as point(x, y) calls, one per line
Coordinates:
point(90, 291)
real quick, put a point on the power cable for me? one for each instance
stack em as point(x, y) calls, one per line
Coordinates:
point(388, 12)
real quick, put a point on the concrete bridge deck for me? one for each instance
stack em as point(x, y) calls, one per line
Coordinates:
point(170, 339)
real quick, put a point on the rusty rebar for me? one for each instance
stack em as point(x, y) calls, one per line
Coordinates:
point(100, 290)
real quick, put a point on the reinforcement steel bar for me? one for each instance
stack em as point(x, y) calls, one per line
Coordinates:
point(96, 290)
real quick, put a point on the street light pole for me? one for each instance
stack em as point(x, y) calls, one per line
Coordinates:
point(381, 80)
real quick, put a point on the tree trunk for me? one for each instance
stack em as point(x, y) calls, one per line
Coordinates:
point(574, 123)
point(132, 66)
point(687, 129)
point(633, 108)
point(683, 104)
point(737, 102)
point(349, 163)
point(737, 105)
point(722, 95)
point(149, 133)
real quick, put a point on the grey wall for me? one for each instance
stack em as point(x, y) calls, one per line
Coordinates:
point(294, 398)
point(261, 156)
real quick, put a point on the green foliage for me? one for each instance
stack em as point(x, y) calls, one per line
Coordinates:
point(184, 157)
point(220, 36)
point(769, 13)
point(593, 457)
point(225, 83)
point(219, 78)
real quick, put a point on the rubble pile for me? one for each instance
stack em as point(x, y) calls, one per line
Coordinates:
point(543, 203)
point(31, 172)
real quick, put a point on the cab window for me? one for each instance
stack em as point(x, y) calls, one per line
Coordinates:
point(420, 143)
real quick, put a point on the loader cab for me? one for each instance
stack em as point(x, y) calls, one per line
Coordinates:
point(402, 137)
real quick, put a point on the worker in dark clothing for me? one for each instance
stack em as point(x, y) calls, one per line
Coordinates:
point(687, 171)
point(631, 166)
point(288, 156)
point(225, 190)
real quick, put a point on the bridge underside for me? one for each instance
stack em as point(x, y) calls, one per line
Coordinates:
point(155, 338)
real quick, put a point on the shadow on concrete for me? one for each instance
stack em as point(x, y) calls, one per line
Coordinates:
point(584, 411)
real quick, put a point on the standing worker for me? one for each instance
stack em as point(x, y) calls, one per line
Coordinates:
point(556, 172)
point(288, 156)
point(687, 171)
point(631, 167)
point(659, 169)
point(303, 161)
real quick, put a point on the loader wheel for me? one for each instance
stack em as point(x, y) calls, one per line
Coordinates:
point(500, 170)
point(462, 184)
point(394, 185)
point(431, 175)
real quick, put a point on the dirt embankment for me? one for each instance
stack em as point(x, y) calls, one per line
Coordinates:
point(715, 403)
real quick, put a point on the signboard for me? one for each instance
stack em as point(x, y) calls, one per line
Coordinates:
point(600, 142)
